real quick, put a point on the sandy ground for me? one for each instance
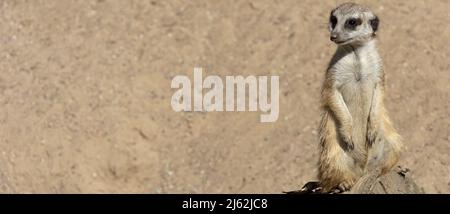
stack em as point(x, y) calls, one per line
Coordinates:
point(85, 93)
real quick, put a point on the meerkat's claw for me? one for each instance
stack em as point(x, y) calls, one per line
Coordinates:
point(344, 186)
point(348, 143)
point(346, 137)
point(370, 138)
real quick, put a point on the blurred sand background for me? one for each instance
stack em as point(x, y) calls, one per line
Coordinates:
point(85, 93)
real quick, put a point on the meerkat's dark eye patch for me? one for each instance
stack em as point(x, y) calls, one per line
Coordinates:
point(352, 23)
point(333, 21)
point(374, 23)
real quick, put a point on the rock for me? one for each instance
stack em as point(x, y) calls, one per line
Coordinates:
point(397, 181)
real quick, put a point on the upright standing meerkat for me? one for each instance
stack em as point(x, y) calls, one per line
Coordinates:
point(356, 135)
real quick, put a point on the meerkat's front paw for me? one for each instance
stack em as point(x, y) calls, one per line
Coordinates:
point(371, 136)
point(346, 136)
point(373, 133)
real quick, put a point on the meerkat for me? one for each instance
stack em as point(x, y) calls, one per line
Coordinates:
point(356, 136)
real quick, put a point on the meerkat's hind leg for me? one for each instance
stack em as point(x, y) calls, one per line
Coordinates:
point(378, 163)
point(374, 167)
point(382, 155)
point(335, 166)
point(375, 156)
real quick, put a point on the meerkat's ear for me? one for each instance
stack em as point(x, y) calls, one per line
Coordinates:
point(374, 23)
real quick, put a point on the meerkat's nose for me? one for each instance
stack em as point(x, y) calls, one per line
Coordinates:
point(333, 37)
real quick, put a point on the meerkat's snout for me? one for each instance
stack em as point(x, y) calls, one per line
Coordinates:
point(350, 23)
point(333, 37)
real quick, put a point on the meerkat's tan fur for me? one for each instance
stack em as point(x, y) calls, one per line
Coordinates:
point(356, 135)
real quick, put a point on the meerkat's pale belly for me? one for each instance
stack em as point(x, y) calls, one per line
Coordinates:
point(356, 83)
point(357, 96)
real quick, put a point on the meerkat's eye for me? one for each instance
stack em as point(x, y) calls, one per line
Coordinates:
point(333, 21)
point(352, 23)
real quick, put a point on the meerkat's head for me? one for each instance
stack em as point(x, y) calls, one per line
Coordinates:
point(352, 23)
